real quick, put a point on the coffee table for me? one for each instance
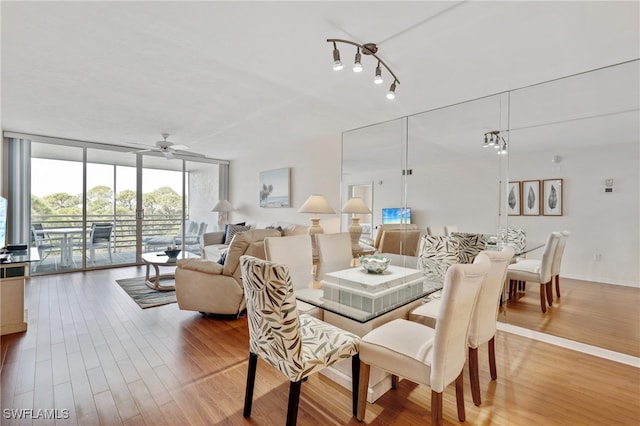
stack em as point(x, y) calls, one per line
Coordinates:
point(158, 259)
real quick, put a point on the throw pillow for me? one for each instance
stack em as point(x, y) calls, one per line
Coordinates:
point(223, 257)
point(226, 229)
point(232, 230)
point(279, 229)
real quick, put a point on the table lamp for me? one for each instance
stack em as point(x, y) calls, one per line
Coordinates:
point(355, 206)
point(222, 207)
point(315, 204)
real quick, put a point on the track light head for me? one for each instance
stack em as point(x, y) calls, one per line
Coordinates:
point(392, 91)
point(357, 65)
point(367, 49)
point(337, 64)
point(378, 78)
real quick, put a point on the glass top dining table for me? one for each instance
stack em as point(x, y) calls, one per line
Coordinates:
point(361, 296)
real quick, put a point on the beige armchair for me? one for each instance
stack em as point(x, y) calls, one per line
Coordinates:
point(209, 287)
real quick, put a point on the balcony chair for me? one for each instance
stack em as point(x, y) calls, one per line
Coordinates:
point(100, 236)
point(296, 253)
point(536, 270)
point(297, 345)
point(483, 322)
point(44, 244)
point(424, 355)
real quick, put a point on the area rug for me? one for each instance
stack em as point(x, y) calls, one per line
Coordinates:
point(144, 296)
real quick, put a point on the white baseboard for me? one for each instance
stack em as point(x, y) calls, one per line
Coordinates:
point(603, 280)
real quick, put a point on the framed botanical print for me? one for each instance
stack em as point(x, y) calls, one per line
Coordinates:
point(552, 197)
point(531, 198)
point(513, 198)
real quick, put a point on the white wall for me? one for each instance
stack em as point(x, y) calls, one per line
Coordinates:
point(605, 224)
point(600, 223)
point(315, 169)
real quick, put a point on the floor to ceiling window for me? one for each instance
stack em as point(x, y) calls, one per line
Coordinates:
point(94, 208)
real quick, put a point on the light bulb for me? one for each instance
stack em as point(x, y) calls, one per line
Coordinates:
point(378, 78)
point(357, 66)
point(337, 64)
point(392, 91)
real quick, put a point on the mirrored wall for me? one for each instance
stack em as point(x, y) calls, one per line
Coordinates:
point(580, 132)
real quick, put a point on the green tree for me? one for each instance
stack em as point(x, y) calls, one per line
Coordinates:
point(126, 202)
point(40, 206)
point(63, 203)
point(163, 200)
point(100, 200)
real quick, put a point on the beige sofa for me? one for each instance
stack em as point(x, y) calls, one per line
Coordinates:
point(398, 239)
point(208, 287)
point(213, 246)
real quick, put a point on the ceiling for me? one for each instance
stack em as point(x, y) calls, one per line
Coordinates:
point(233, 79)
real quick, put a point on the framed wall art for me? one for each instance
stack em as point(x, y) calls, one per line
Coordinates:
point(274, 188)
point(553, 193)
point(513, 198)
point(531, 198)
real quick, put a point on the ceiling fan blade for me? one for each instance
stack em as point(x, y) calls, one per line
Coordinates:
point(180, 147)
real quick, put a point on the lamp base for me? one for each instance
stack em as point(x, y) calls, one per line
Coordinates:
point(355, 230)
point(314, 229)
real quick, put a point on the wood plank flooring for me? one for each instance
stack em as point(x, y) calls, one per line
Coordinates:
point(92, 351)
point(607, 316)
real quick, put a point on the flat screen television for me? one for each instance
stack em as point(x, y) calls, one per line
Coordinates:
point(3, 222)
point(396, 215)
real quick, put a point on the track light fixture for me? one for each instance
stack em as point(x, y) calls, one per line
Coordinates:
point(364, 49)
point(495, 140)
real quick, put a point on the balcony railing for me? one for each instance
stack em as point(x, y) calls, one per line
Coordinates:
point(124, 235)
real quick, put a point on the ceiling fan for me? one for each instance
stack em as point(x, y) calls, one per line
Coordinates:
point(168, 148)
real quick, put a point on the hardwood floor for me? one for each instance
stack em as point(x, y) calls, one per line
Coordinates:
point(607, 316)
point(92, 351)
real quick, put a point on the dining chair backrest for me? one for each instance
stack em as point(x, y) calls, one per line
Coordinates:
point(557, 258)
point(435, 230)
point(548, 255)
point(274, 325)
point(459, 294)
point(483, 321)
point(296, 253)
point(334, 253)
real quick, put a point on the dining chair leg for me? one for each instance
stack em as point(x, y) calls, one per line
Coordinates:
point(543, 297)
point(394, 381)
point(294, 400)
point(558, 286)
point(436, 408)
point(492, 358)
point(459, 397)
point(549, 291)
point(355, 382)
point(362, 390)
point(474, 376)
point(251, 379)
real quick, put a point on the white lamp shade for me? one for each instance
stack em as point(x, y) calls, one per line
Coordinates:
point(222, 206)
point(356, 205)
point(316, 204)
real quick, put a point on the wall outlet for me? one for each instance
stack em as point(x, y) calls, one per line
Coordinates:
point(597, 257)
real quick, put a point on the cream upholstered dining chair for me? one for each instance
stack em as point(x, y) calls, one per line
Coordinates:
point(296, 252)
point(433, 357)
point(557, 260)
point(483, 322)
point(334, 253)
point(296, 344)
point(536, 270)
point(436, 254)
